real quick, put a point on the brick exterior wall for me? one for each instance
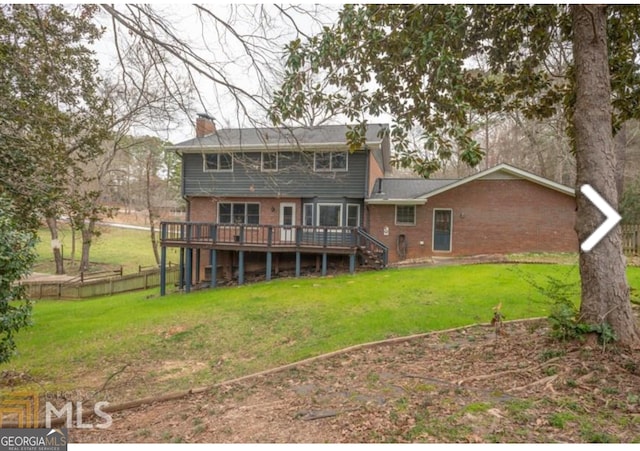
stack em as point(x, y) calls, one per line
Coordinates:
point(489, 217)
point(205, 209)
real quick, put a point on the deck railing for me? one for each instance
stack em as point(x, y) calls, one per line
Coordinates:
point(372, 246)
point(196, 233)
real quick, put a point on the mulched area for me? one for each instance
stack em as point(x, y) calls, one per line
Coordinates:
point(459, 386)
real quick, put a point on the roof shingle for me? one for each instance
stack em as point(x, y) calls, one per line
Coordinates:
point(237, 137)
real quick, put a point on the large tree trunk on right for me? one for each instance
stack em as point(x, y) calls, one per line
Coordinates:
point(605, 290)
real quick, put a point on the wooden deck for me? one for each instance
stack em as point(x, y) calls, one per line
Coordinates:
point(260, 238)
point(192, 238)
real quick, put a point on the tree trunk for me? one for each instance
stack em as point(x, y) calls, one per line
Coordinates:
point(72, 257)
point(56, 247)
point(486, 141)
point(620, 146)
point(87, 237)
point(605, 290)
point(150, 209)
point(154, 238)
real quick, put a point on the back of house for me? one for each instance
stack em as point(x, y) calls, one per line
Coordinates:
point(287, 200)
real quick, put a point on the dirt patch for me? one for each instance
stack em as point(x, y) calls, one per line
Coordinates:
point(465, 385)
point(170, 369)
point(47, 278)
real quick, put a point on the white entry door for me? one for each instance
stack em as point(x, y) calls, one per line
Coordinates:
point(287, 222)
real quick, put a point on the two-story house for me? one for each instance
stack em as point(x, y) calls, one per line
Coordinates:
point(268, 200)
point(275, 199)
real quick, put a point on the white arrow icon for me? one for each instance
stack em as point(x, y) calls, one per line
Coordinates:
point(613, 218)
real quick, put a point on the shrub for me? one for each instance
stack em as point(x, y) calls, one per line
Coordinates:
point(563, 318)
point(16, 258)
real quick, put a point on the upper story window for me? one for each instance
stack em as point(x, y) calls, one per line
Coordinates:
point(218, 162)
point(269, 161)
point(330, 161)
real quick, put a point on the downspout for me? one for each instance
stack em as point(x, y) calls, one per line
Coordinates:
point(183, 188)
point(367, 176)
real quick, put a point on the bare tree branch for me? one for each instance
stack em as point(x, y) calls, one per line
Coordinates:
point(249, 39)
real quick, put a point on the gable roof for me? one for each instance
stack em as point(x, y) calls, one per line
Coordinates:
point(278, 138)
point(417, 191)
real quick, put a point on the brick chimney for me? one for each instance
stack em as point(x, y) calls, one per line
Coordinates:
point(204, 125)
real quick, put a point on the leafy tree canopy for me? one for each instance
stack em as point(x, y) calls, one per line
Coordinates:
point(432, 65)
point(52, 113)
point(17, 255)
point(52, 119)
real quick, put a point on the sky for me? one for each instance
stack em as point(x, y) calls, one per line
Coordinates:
point(214, 44)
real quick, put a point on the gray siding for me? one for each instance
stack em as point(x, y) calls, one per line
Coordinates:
point(295, 177)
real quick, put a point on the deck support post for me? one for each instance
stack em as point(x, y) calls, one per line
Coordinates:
point(163, 270)
point(181, 274)
point(213, 259)
point(240, 267)
point(198, 253)
point(188, 270)
point(194, 240)
point(269, 258)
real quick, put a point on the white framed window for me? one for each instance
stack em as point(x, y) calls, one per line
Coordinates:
point(269, 161)
point(334, 161)
point(406, 215)
point(307, 215)
point(329, 215)
point(353, 215)
point(238, 213)
point(218, 162)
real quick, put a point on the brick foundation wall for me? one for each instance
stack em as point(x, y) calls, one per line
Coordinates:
point(489, 216)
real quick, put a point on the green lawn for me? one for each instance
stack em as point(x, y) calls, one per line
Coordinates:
point(114, 247)
point(228, 332)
